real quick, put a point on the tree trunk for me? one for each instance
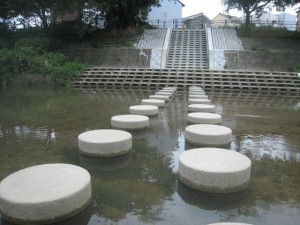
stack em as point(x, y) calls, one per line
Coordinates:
point(247, 21)
point(4, 84)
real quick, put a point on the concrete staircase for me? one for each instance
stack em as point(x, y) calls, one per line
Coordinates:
point(187, 49)
point(211, 80)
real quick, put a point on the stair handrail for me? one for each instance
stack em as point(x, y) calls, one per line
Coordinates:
point(165, 51)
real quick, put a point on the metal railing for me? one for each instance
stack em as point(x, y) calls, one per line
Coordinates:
point(185, 23)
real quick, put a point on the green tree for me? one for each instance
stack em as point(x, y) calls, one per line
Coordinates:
point(127, 13)
point(257, 7)
point(45, 10)
point(247, 6)
point(282, 4)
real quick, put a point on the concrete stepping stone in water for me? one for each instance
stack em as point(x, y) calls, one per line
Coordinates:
point(198, 101)
point(145, 110)
point(105, 143)
point(214, 170)
point(160, 97)
point(196, 93)
point(155, 102)
point(208, 135)
point(201, 108)
point(170, 94)
point(130, 122)
point(204, 118)
point(44, 194)
point(198, 96)
point(170, 88)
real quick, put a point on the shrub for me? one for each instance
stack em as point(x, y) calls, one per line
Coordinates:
point(57, 68)
point(63, 75)
point(32, 56)
point(267, 31)
point(39, 44)
point(295, 68)
point(8, 69)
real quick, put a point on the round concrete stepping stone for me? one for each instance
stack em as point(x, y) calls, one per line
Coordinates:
point(168, 93)
point(208, 135)
point(199, 96)
point(161, 97)
point(130, 122)
point(170, 88)
point(105, 142)
point(145, 110)
point(204, 118)
point(194, 87)
point(155, 102)
point(44, 194)
point(196, 93)
point(198, 101)
point(229, 223)
point(201, 108)
point(214, 170)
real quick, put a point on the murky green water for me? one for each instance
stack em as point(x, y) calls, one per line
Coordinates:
point(41, 126)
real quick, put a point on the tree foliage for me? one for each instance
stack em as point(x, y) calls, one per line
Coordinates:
point(257, 7)
point(127, 13)
point(247, 6)
point(43, 13)
point(282, 4)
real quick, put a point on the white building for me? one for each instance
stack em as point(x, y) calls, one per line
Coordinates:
point(265, 18)
point(198, 21)
point(288, 21)
point(224, 20)
point(284, 20)
point(168, 15)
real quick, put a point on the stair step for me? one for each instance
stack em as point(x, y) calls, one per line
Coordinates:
point(187, 48)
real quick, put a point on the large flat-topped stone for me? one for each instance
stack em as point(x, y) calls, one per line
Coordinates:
point(170, 88)
point(198, 101)
point(160, 97)
point(201, 108)
point(44, 194)
point(194, 87)
point(201, 96)
point(214, 170)
point(208, 135)
point(105, 142)
point(155, 102)
point(130, 122)
point(166, 93)
point(197, 93)
point(145, 110)
point(204, 118)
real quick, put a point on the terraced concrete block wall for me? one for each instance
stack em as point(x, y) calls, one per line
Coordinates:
point(262, 60)
point(111, 57)
point(258, 81)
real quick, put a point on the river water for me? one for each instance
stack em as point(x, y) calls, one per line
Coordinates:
point(40, 126)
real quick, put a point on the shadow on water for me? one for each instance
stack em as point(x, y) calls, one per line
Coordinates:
point(105, 164)
point(211, 201)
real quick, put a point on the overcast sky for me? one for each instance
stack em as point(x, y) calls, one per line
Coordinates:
point(211, 8)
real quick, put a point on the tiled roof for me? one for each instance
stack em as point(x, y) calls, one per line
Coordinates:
point(195, 16)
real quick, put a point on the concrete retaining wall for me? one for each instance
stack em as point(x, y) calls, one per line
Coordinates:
point(111, 57)
point(262, 60)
